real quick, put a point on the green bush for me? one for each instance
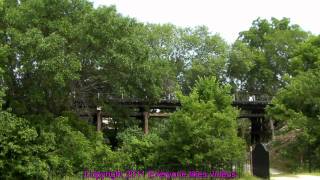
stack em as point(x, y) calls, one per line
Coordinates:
point(204, 129)
point(140, 148)
point(56, 149)
point(23, 152)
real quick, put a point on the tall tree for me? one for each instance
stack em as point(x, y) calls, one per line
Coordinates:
point(41, 62)
point(298, 105)
point(307, 56)
point(192, 52)
point(261, 57)
point(64, 50)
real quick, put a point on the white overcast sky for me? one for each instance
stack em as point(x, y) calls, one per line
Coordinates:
point(226, 17)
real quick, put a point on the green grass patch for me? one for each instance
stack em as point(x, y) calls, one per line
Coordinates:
point(248, 177)
point(311, 174)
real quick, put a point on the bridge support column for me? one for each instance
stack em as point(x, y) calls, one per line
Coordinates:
point(255, 130)
point(260, 155)
point(145, 119)
point(145, 122)
point(99, 119)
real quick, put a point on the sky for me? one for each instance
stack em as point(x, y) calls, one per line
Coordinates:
point(225, 17)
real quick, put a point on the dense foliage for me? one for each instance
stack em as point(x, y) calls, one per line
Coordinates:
point(59, 58)
point(202, 131)
point(56, 149)
point(191, 52)
point(298, 105)
point(261, 57)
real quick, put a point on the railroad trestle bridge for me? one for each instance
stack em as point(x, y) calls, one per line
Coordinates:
point(252, 107)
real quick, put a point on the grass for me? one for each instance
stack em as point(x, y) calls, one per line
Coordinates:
point(311, 174)
point(244, 177)
point(248, 177)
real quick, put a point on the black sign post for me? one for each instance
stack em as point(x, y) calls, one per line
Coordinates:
point(260, 162)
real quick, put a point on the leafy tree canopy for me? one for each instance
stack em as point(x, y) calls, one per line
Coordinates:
point(192, 52)
point(262, 55)
point(298, 104)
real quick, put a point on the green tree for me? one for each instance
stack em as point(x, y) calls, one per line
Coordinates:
point(262, 56)
point(44, 148)
point(23, 152)
point(115, 57)
point(3, 54)
point(140, 148)
point(191, 52)
point(40, 61)
point(298, 105)
point(307, 56)
point(2, 94)
point(204, 129)
point(57, 52)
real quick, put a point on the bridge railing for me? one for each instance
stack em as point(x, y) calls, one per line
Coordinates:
point(247, 96)
point(84, 100)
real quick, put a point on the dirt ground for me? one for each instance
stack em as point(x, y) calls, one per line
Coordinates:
point(296, 177)
point(278, 176)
